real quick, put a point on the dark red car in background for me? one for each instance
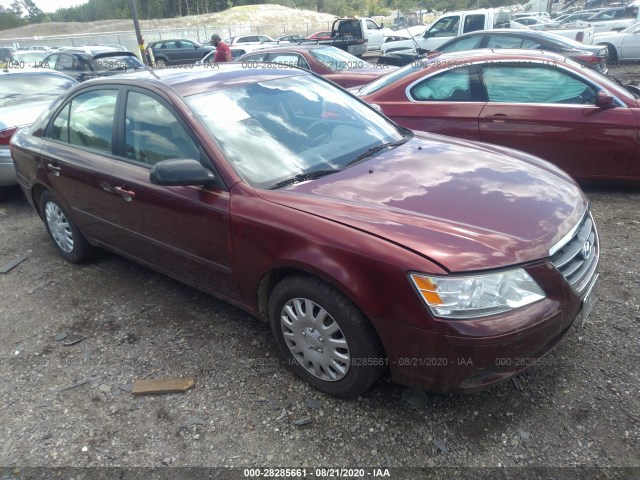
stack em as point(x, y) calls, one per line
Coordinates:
point(367, 246)
point(537, 102)
point(332, 63)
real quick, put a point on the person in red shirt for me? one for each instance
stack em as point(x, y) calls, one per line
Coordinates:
point(223, 52)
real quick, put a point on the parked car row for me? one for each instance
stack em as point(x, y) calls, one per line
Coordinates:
point(367, 246)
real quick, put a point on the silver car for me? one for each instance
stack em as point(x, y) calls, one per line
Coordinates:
point(24, 95)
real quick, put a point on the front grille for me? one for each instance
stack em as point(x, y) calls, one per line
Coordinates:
point(577, 258)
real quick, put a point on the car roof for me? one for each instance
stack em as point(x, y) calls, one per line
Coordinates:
point(202, 78)
point(35, 71)
point(493, 55)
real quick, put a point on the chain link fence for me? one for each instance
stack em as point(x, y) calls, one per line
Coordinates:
point(200, 34)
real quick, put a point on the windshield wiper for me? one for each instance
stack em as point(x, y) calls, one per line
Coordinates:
point(373, 150)
point(301, 177)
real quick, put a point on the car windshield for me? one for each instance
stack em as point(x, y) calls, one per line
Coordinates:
point(390, 78)
point(274, 130)
point(337, 60)
point(36, 86)
point(116, 62)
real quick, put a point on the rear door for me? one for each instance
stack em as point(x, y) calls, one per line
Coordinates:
point(77, 157)
point(448, 102)
point(548, 111)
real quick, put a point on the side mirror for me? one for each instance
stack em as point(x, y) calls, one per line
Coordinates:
point(382, 25)
point(180, 171)
point(604, 99)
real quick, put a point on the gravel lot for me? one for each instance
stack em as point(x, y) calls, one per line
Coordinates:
point(69, 405)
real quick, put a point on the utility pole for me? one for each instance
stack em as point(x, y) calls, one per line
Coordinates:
point(136, 26)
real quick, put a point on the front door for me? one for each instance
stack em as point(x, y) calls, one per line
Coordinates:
point(182, 230)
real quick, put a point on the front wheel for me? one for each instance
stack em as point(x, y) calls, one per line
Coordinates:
point(612, 53)
point(324, 338)
point(65, 235)
point(161, 63)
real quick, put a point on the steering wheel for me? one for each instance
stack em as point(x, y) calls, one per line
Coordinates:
point(317, 133)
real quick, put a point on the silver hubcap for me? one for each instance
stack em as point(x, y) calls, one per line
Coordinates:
point(59, 227)
point(315, 339)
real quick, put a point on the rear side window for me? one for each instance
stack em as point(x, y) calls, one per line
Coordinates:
point(510, 41)
point(290, 59)
point(450, 86)
point(501, 20)
point(473, 23)
point(87, 121)
point(461, 44)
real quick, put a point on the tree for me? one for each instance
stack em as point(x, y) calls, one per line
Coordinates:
point(34, 14)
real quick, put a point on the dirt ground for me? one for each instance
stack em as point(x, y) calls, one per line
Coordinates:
point(71, 406)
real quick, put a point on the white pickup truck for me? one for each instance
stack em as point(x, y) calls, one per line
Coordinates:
point(451, 25)
point(366, 28)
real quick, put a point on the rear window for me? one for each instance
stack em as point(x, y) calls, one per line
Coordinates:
point(501, 20)
point(116, 62)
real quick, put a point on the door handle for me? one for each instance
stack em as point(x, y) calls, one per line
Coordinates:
point(498, 118)
point(127, 195)
point(54, 168)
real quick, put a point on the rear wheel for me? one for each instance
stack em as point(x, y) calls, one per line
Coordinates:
point(324, 338)
point(65, 235)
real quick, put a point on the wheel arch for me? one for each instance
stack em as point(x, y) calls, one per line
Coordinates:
point(276, 275)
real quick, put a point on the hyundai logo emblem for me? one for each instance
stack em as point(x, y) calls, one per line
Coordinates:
point(585, 250)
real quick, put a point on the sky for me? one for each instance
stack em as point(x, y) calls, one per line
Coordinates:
point(49, 5)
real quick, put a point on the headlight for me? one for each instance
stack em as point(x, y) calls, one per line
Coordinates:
point(477, 295)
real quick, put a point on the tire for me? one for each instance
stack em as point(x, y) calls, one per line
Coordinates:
point(66, 237)
point(612, 53)
point(161, 63)
point(342, 355)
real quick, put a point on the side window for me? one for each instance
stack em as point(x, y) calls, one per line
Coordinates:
point(461, 44)
point(508, 41)
point(87, 120)
point(258, 57)
point(153, 133)
point(371, 25)
point(501, 20)
point(445, 27)
point(289, 59)
point(51, 60)
point(60, 125)
point(522, 83)
point(450, 86)
point(65, 62)
point(473, 23)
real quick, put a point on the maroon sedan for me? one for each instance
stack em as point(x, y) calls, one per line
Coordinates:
point(330, 62)
point(537, 102)
point(366, 246)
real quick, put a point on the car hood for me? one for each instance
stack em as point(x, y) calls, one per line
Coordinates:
point(465, 205)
